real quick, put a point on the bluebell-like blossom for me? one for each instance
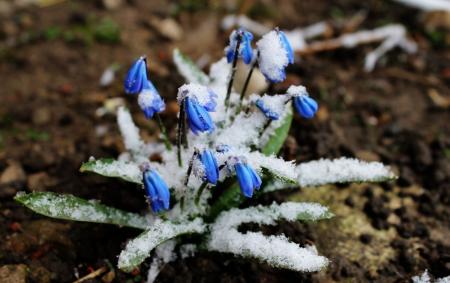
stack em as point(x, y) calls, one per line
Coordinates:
point(303, 103)
point(245, 48)
point(247, 177)
point(211, 104)
point(287, 46)
point(209, 163)
point(156, 190)
point(306, 106)
point(222, 148)
point(136, 79)
point(275, 53)
point(150, 102)
point(271, 115)
point(198, 117)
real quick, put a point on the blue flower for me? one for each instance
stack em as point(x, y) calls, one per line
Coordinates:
point(272, 115)
point(156, 190)
point(198, 117)
point(209, 161)
point(275, 53)
point(248, 179)
point(287, 46)
point(306, 106)
point(245, 49)
point(136, 79)
point(150, 102)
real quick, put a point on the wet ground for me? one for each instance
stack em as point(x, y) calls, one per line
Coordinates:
point(51, 59)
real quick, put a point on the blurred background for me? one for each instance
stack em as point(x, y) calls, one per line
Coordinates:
point(62, 64)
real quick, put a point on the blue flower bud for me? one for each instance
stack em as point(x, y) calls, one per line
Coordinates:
point(275, 53)
point(150, 102)
point(306, 106)
point(156, 190)
point(136, 79)
point(209, 161)
point(248, 179)
point(272, 115)
point(287, 46)
point(245, 48)
point(198, 117)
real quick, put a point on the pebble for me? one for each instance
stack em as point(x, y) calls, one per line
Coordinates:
point(41, 116)
point(112, 4)
point(13, 174)
point(40, 181)
point(13, 273)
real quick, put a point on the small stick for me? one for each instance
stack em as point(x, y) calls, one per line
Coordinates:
point(200, 191)
point(92, 275)
point(247, 81)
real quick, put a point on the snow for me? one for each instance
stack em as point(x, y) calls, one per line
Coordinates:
point(200, 92)
point(122, 169)
point(273, 57)
point(297, 90)
point(274, 250)
point(277, 166)
point(164, 253)
point(342, 170)
point(188, 69)
point(129, 131)
point(139, 248)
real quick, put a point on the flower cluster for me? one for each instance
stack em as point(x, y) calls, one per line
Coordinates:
point(197, 102)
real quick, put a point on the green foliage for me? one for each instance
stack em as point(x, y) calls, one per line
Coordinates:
point(69, 207)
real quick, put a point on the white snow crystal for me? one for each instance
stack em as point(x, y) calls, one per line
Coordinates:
point(129, 131)
point(275, 250)
point(342, 170)
point(194, 90)
point(273, 57)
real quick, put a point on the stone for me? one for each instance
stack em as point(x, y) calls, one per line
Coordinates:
point(13, 273)
point(40, 181)
point(13, 174)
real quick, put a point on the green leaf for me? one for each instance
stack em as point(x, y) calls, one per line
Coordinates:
point(188, 69)
point(109, 167)
point(138, 249)
point(232, 196)
point(277, 139)
point(69, 207)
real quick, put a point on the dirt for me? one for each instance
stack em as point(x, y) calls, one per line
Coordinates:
point(51, 59)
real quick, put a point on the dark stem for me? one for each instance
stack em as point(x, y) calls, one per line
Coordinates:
point(189, 171)
point(247, 81)
point(266, 125)
point(200, 191)
point(163, 132)
point(233, 70)
point(180, 131)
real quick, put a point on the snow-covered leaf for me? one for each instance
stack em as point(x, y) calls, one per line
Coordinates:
point(129, 131)
point(342, 170)
point(277, 139)
point(108, 167)
point(274, 250)
point(138, 249)
point(188, 69)
point(69, 207)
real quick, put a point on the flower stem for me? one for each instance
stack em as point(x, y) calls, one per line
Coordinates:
point(189, 171)
point(233, 70)
point(181, 119)
point(162, 128)
point(247, 81)
point(200, 191)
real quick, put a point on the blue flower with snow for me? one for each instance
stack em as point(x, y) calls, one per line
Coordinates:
point(198, 102)
point(303, 103)
point(198, 117)
point(150, 102)
point(156, 190)
point(247, 177)
point(271, 115)
point(136, 79)
point(209, 163)
point(245, 48)
point(275, 53)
